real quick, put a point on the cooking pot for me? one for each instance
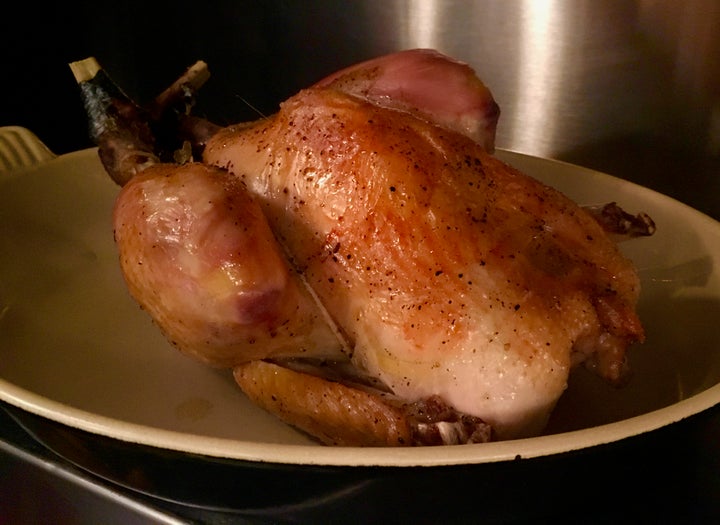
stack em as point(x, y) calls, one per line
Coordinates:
point(628, 88)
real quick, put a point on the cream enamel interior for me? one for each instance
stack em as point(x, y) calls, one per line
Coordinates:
point(76, 349)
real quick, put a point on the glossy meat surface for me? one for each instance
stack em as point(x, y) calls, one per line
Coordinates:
point(449, 273)
point(427, 84)
point(198, 255)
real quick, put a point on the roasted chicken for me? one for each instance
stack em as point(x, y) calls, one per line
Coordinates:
point(371, 272)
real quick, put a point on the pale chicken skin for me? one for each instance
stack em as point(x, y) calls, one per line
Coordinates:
point(448, 272)
point(428, 84)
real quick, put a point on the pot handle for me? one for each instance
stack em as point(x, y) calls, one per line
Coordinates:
point(20, 149)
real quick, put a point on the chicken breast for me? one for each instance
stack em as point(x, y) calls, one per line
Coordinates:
point(447, 272)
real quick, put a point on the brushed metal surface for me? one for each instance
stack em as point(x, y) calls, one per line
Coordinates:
point(572, 73)
point(628, 87)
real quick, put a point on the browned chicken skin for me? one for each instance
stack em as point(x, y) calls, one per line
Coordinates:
point(448, 272)
point(366, 225)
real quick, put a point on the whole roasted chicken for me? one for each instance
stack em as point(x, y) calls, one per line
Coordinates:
point(369, 270)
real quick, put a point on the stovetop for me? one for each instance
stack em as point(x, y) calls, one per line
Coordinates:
point(669, 474)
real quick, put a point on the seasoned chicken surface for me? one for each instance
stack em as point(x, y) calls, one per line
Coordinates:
point(373, 275)
point(448, 272)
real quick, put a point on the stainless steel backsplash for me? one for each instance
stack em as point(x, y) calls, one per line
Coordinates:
point(630, 87)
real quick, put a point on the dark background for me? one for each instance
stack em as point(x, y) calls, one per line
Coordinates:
point(259, 53)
